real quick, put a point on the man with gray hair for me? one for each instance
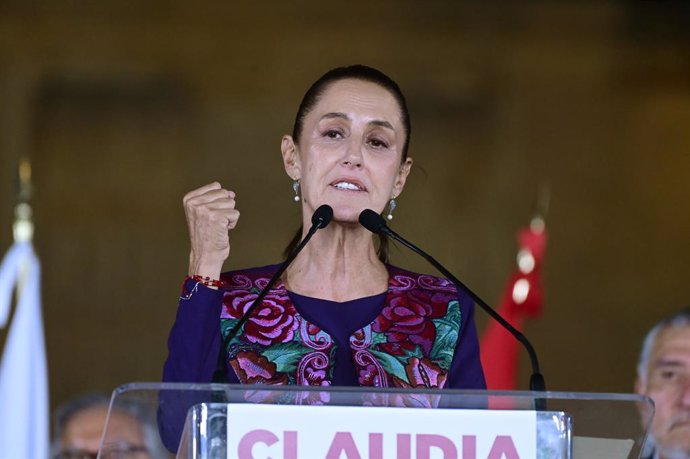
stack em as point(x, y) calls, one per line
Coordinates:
point(79, 426)
point(663, 374)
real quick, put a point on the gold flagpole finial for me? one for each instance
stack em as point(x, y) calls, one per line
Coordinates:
point(24, 179)
point(23, 227)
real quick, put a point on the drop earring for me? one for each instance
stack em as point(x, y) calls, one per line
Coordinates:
point(391, 207)
point(295, 187)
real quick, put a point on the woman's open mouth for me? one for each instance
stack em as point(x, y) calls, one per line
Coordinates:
point(348, 185)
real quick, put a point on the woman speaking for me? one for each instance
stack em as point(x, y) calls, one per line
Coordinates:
point(340, 314)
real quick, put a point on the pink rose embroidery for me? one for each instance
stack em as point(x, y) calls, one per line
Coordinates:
point(270, 323)
point(423, 374)
point(406, 321)
point(252, 368)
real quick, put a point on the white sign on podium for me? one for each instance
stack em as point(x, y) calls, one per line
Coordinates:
point(353, 432)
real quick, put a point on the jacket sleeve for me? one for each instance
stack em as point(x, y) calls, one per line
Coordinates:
point(193, 346)
point(194, 340)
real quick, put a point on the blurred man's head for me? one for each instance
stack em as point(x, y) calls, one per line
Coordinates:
point(663, 374)
point(79, 428)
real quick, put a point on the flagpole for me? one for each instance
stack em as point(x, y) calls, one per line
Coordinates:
point(24, 406)
point(23, 227)
point(522, 297)
point(541, 208)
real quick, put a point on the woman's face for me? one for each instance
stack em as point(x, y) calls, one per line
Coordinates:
point(350, 151)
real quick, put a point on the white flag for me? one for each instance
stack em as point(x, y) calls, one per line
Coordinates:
point(24, 417)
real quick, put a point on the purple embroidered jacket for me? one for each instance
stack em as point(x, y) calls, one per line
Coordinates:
point(420, 333)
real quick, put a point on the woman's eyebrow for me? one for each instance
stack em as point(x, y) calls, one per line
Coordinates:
point(344, 116)
point(381, 123)
point(336, 115)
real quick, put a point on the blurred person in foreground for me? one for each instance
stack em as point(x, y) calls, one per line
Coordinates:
point(341, 314)
point(79, 426)
point(663, 374)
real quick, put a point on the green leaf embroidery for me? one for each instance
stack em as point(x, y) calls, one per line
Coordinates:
point(285, 355)
point(417, 352)
point(226, 325)
point(447, 329)
point(390, 364)
point(377, 338)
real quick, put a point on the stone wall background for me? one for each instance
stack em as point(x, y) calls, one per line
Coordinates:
point(124, 106)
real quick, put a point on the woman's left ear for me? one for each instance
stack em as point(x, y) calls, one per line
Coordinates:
point(400, 180)
point(290, 157)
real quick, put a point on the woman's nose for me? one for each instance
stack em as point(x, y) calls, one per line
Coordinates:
point(353, 155)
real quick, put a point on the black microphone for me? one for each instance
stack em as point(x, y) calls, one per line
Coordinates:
point(376, 224)
point(320, 219)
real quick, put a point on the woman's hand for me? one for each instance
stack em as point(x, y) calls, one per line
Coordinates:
point(210, 212)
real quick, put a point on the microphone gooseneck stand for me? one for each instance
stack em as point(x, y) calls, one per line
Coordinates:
point(321, 218)
point(376, 224)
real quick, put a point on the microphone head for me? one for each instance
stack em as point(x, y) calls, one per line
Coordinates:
point(322, 216)
point(372, 221)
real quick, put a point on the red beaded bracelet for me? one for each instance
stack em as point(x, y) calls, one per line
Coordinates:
point(207, 281)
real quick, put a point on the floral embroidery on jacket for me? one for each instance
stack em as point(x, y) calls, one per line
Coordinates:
point(410, 344)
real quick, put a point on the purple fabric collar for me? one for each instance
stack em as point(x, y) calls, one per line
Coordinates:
point(340, 320)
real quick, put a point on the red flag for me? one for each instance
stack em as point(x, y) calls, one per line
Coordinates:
point(522, 297)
